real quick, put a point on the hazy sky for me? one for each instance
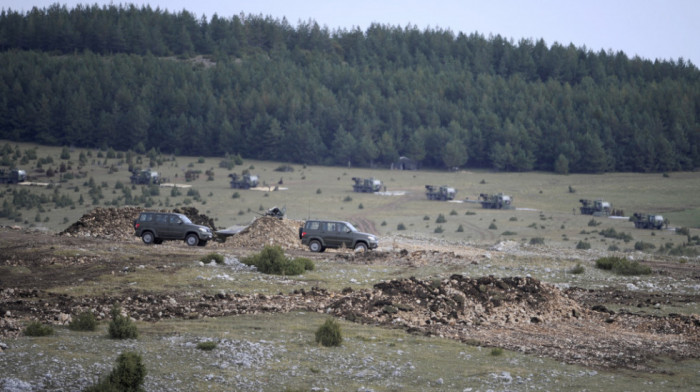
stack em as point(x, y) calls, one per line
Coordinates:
point(651, 29)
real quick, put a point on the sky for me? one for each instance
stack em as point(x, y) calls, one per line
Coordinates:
point(650, 29)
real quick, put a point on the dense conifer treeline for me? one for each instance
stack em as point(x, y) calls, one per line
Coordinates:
point(137, 78)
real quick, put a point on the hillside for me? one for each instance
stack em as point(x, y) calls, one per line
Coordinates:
point(266, 90)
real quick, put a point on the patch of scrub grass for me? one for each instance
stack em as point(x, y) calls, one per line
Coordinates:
point(36, 328)
point(622, 266)
point(396, 360)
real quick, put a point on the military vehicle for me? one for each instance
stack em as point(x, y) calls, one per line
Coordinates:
point(595, 207)
point(647, 221)
point(497, 201)
point(144, 177)
point(14, 176)
point(366, 185)
point(276, 212)
point(244, 181)
point(442, 192)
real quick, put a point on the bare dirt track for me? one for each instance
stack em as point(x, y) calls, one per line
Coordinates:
point(517, 313)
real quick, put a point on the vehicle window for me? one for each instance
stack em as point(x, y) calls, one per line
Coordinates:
point(146, 217)
point(330, 226)
point(352, 228)
point(160, 218)
point(185, 219)
point(341, 228)
point(174, 219)
point(313, 225)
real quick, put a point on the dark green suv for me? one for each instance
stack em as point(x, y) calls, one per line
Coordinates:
point(321, 234)
point(156, 227)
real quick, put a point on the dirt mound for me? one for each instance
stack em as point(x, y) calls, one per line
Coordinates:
point(460, 300)
point(109, 223)
point(118, 223)
point(267, 230)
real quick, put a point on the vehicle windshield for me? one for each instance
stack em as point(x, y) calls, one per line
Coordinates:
point(185, 219)
point(351, 227)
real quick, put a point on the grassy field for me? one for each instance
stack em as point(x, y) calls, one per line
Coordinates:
point(546, 207)
point(278, 353)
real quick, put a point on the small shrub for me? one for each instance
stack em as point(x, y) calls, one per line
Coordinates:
point(440, 219)
point(496, 351)
point(536, 241)
point(271, 260)
point(439, 230)
point(35, 328)
point(128, 375)
point(401, 226)
point(453, 212)
point(347, 199)
point(236, 195)
point(360, 206)
point(284, 168)
point(426, 218)
point(508, 232)
point(593, 223)
point(683, 231)
point(577, 270)
point(611, 233)
point(85, 321)
point(470, 213)
point(643, 246)
point(613, 248)
point(217, 258)
point(583, 245)
point(206, 346)
point(513, 219)
point(329, 334)
point(383, 223)
point(460, 229)
point(493, 226)
point(318, 191)
point(121, 327)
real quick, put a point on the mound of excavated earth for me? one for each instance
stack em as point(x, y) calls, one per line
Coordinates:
point(118, 223)
point(268, 230)
point(521, 314)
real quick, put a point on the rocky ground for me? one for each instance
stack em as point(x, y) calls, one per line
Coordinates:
point(573, 325)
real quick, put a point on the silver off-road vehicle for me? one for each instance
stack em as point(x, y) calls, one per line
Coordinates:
point(321, 234)
point(156, 227)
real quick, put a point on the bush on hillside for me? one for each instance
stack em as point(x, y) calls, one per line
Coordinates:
point(271, 260)
point(329, 334)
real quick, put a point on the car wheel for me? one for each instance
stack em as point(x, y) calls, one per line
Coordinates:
point(202, 243)
point(360, 247)
point(192, 239)
point(315, 246)
point(147, 237)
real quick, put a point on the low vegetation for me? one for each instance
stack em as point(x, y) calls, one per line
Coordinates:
point(35, 328)
point(612, 233)
point(271, 260)
point(85, 321)
point(215, 257)
point(206, 346)
point(329, 334)
point(121, 327)
point(622, 266)
point(127, 376)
